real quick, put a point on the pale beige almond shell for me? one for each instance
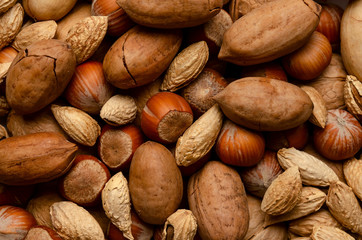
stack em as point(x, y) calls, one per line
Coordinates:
point(274, 232)
point(116, 203)
point(352, 170)
point(80, 11)
point(319, 113)
point(3, 132)
point(256, 217)
point(72, 222)
point(119, 110)
point(312, 170)
point(304, 226)
point(199, 138)
point(283, 193)
point(186, 66)
point(77, 124)
point(344, 206)
point(34, 32)
point(4, 67)
point(327, 233)
point(311, 200)
point(184, 225)
point(10, 23)
point(86, 35)
point(6, 5)
point(353, 96)
point(39, 207)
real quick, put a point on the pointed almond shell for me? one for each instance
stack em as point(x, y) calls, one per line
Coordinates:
point(77, 124)
point(311, 200)
point(186, 66)
point(283, 193)
point(199, 138)
point(304, 226)
point(183, 223)
point(327, 233)
point(34, 32)
point(10, 23)
point(319, 113)
point(312, 170)
point(86, 35)
point(119, 110)
point(353, 96)
point(71, 222)
point(352, 170)
point(117, 203)
point(344, 206)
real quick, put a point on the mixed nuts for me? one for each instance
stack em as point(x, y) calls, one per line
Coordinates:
point(220, 119)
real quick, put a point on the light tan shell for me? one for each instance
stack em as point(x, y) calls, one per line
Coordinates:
point(73, 222)
point(319, 114)
point(34, 32)
point(275, 232)
point(10, 24)
point(3, 132)
point(304, 226)
point(352, 170)
point(256, 217)
point(312, 170)
point(344, 206)
point(6, 5)
point(283, 193)
point(86, 35)
point(77, 124)
point(311, 200)
point(353, 96)
point(215, 28)
point(327, 233)
point(39, 207)
point(184, 225)
point(330, 83)
point(119, 110)
point(186, 66)
point(199, 138)
point(117, 203)
point(4, 67)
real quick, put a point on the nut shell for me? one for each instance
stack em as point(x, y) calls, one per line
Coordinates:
point(217, 198)
point(41, 72)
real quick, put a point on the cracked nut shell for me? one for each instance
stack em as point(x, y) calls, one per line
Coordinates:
point(39, 74)
point(140, 56)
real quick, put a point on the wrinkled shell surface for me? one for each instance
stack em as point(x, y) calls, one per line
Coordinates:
point(6, 5)
point(184, 225)
point(77, 124)
point(119, 110)
point(117, 203)
point(312, 170)
point(199, 138)
point(353, 96)
point(283, 193)
point(186, 66)
point(319, 114)
point(34, 32)
point(73, 222)
point(327, 232)
point(10, 23)
point(344, 206)
point(352, 170)
point(86, 36)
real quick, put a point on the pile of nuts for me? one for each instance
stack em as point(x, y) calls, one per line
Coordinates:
point(197, 119)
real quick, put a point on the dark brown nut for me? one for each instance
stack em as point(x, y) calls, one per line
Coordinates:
point(140, 56)
point(38, 75)
point(172, 13)
point(35, 158)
